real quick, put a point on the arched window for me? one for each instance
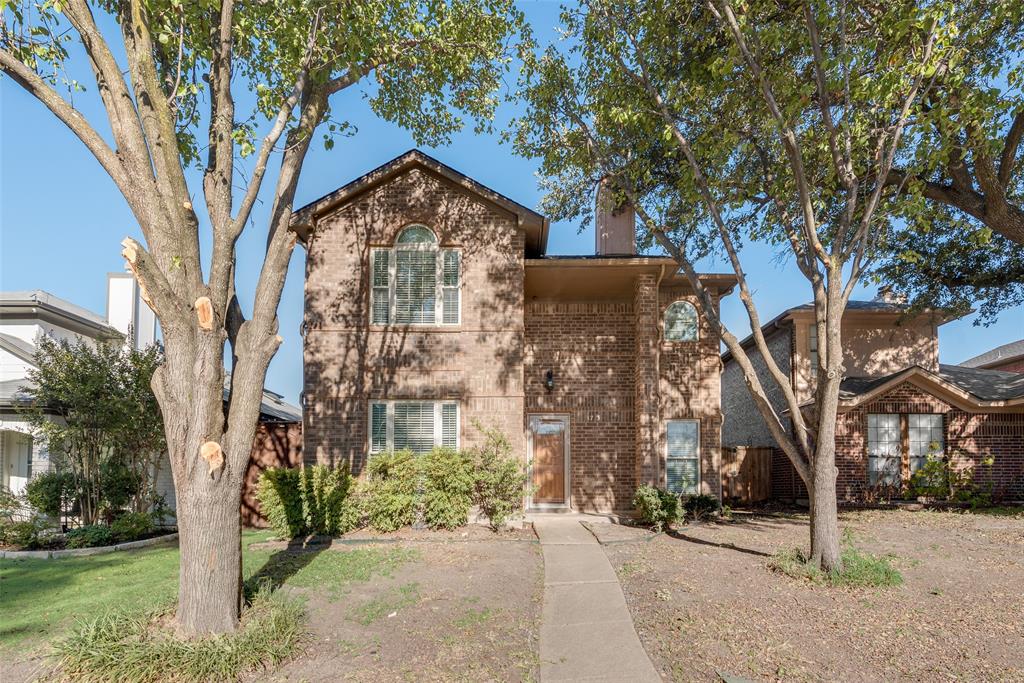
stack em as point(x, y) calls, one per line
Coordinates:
point(415, 282)
point(681, 323)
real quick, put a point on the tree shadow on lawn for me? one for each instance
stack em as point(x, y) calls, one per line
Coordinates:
point(282, 566)
point(679, 536)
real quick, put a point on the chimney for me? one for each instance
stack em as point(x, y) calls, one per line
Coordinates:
point(887, 294)
point(614, 225)
point(128, 313)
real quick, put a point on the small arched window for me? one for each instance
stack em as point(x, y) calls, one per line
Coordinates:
point(681, 323)
point(415, 282)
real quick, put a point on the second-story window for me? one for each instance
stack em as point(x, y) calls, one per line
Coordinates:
point(681, 322)
point(415, 282)
point(812, 348)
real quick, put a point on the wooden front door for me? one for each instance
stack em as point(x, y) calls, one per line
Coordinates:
point(549, 460)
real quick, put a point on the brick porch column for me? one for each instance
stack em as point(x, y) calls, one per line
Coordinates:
point(645, 404)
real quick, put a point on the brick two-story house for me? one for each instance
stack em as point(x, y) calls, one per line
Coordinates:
point(431, 307)
point(898, 404)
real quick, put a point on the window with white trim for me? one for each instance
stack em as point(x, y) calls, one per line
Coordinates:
point(418, 426)
point(683, 462)
point(415, 282)
point(927, 438)
point(681, 322)
point(883, 448)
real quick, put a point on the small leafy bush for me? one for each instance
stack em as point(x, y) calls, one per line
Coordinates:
point(323, 492)
point(500, 478)
point(118, 484)
point(132, 526)
point(10, 504)
point(392, 490)
point(51, 492)
point(281, 502)
point(91, 536)
point(448, 485)
point(29, 534)
point(700, 506)
point(657, 508)
point(939, 478)
point(299, 502)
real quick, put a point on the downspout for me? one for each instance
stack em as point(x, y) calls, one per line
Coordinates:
point(657, 369)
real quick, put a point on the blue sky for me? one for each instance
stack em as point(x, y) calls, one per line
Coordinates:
point(62, 219)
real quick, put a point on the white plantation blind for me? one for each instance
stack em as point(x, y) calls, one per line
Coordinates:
point(683, 471)
point(416, 283)
point(381, 306)
point(416, 286)
point(417, 426)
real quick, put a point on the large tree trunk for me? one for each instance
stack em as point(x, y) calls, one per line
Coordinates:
point(825, 550)
point(210, 571)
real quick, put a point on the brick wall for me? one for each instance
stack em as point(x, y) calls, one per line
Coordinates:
point(347, 362)
point(590, 347)
point(690, 388)
point(275, 445)
point(970, 437)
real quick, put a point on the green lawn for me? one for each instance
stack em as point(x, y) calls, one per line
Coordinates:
point(40, 597)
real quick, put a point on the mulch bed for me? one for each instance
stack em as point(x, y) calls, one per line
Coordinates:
point(705, 604)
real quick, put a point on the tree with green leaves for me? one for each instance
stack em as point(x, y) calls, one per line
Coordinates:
point(108, 433)
point(725, 122)
point(168, 73)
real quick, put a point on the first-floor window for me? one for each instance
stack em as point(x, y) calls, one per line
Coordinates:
point(926, 438)
point(883, 448)
point(417, 426)
point(683, 471)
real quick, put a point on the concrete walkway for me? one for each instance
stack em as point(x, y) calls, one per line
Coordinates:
point(586, 631)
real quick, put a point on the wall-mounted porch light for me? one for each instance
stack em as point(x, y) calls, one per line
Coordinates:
point(549, 380)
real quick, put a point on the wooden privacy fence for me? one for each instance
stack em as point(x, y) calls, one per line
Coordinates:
point(746, 474)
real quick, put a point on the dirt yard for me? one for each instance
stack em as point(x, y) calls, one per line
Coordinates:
point(465, 608)
point(705, 605)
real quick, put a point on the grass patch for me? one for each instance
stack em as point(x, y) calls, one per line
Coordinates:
point(42, 598)
point(129, 647)
point(391, 601)
point(474, 617)
point(860, 569)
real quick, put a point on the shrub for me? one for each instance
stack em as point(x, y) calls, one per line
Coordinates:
point(10, 504)
point(132, 526)
point(656, 507)
point(939, 478)
point(281, 502)
point(448, 485)
point(24, 535)
point(126, 647)
point(700, 506)
point(91, 536)
point(118, 484)
point(500, 478)
point(323, 492)
point(51, 492)
point(391, 490)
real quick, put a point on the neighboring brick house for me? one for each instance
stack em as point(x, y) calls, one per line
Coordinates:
point(1008, 358)
point(432, 307)
point(897, 403)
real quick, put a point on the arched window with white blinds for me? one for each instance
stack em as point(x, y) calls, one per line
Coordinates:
point(415, 282)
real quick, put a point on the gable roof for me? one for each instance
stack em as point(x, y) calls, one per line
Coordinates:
point(45, 306)
point(534, 224)
point(853, 306)
point(1000, 354)
point(974, 387)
